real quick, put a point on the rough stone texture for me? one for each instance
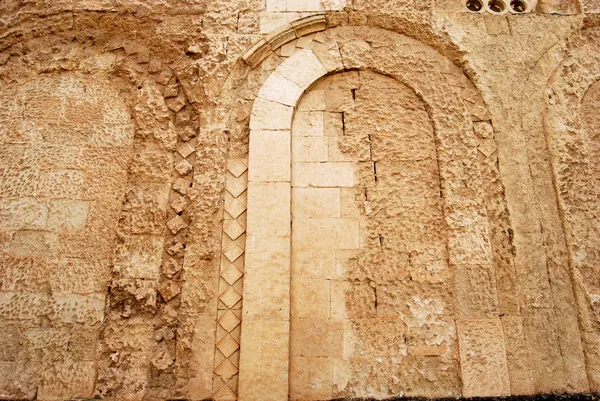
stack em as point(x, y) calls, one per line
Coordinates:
point(250, 199)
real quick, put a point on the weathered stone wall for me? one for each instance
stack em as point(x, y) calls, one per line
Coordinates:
point(263, 199)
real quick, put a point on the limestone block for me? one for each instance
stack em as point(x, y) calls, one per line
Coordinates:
point(329, 55)
point(304, 5)
point(61, 184)
point(313, 263)
point(483, 358)
point(326, 233)
point(316, 337)
point(269, 115)
point(310, 298)
point(83, 309)
point(33, 243)
point(264, 361)
point(67, 380)
point(339, 100)
point(330, 174)
point(80, 276)
point(269, 157)
point(267, 278)
point(312, 378)
point(280, 90)
point(17, 380)
point(139, 256)
point(276, 5)
point(521, 381)
point(270, 21)
point(333, 125)
point(316, 202)
point(23, 213)
point(68, 215)
point(308, 123)
point(268, 209)
point(475, 289)
point(310, 149)
point(313, 100)
point(303, 68)
point(202, 361)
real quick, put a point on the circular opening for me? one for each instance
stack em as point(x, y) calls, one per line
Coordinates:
point(474, 5)
point(496, 6)
point(518, 6)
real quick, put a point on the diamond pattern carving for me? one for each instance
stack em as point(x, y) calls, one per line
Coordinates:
point(232, 252)
point(226, 370)
point(228, 346)
point(225, 394)
point(229, 321)
point(234, 227)
point(237, 167)
point(231, 274)
point(230, 297)
point(235, 187)
point(235, 207)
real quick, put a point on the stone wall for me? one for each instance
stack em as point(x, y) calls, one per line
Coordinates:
point(273, 199)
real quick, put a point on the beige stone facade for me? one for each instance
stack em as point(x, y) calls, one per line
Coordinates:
point(263, 200)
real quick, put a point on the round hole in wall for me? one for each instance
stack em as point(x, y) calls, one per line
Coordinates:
point(474, 5)
point(518, 6)
point(496, 6)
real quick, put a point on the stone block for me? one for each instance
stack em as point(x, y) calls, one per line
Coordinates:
point(313, 263)
point(310, 149)
point(268, 209)
point(313, 100)
point(264, 361)
point(276, 5)
point(80, 276)
point(269, 115)
point(270, 21)
point(23, 213)
point(316, 202)
point(483, 358)
point(330, 174)
point(303, 68)
point(278, 89)
point(316, 337)
point(308, 123)
point(304, 5)
point(269, 157)
point(67, 380)
point(475, 289)
point(517, 355)
point(311, 378)
point(267, 278)
point(18, 380)
point(68, 215)
point(61, 184)
point(39, 244)
point(325, 233)
point(310, 298)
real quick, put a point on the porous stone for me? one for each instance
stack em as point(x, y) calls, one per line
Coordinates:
point(299, 199)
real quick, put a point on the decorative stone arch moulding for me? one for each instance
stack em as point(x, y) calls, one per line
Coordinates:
point(284, 66)
point(573, 157)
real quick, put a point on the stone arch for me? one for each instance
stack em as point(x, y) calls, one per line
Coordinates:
point(569, 129)
point(452, 104)
point(152, 218)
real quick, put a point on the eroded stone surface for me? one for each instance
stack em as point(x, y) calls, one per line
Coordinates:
point(160, 184)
